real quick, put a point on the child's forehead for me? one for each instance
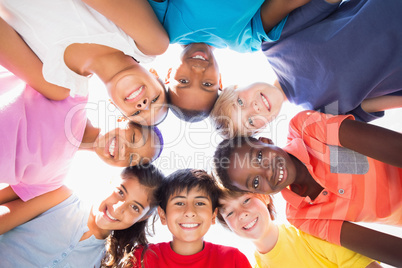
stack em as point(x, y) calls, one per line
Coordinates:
point(193, 192)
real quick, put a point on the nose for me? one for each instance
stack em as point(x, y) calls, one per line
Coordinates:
point(143, 104)
point(243, 215)
point(190, 213)
point(198, 68)
point(256, 107)
point(119, 207)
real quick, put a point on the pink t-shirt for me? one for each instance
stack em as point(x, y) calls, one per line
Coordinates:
point(38, 137)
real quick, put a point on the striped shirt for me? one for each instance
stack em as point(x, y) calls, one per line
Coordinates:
point(356, 187)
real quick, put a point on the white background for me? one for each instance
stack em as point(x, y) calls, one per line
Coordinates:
point(192, 145)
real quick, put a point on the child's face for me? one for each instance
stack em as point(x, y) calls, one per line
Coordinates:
point(188, 216)
point(126, 205)
point(127, 146)
point(194, 84)
point(138, 95)
point(261, 168)
point(247, 216)
point(255, 106)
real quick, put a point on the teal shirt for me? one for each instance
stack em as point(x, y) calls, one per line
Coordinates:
point(234, 24)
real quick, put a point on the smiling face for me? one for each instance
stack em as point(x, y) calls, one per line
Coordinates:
point(195, 82)
point(139, 95)
point(247, 216)
point(262, 168)
point(127, 146)
point(188, 216)
point(255, 106)
point(126, 205)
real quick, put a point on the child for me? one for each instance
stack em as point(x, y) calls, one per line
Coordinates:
point(332, 171)
point(251, 216)
point(245, 111)
point(41, 136)
point(188, 201)
point(320, 63)
point(202, 25)
point(84, 42)
point(69, 233)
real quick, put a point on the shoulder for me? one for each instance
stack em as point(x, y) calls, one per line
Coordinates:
point(225, 251)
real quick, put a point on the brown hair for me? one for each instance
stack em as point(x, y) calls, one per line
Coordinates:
point(230, 194)
point(221, 114)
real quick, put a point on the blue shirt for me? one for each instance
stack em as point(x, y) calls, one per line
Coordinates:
point(235, 24)
point(53, 240)
point(332, 57)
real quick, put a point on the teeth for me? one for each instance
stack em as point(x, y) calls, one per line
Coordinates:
point(189, 225)
point(251, 224)
point(111, 147)
point(280, 173)
point(265, 102)
point(199, 57)
point(110, 216)
point(135, 93)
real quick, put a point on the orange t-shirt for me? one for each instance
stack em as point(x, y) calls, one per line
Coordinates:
point(356, 187)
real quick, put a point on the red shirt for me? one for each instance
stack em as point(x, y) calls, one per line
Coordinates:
point(161, 255)
point(356, 187)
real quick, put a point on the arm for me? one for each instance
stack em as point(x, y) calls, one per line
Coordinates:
point(381, 103)
point(7, 194)
point(138, 20)
point(17, 212)
point(18, 58)
point(273, 11)
point(379, 246)
point(376, 142)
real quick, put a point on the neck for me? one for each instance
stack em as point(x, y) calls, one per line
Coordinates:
point(268, 240)
point(187, 248)
point(91, 135)
point(94, 229)
point(304, 185)
point(276, 83)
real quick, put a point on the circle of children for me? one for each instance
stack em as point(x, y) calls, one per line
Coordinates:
point(339, 60)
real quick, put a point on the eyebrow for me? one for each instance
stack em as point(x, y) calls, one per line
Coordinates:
point(138, 203)
point(181, 196)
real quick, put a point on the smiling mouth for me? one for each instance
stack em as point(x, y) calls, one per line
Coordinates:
point(250, 225)
point(189, 225)
point(134, 94)
point(112, 147)
point(110, 216)
point(266, 103)
point(199, 56)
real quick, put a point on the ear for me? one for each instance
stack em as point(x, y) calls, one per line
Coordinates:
point(266, 140)
point(167, 79)
point(220, 82)
point(162, 215)
point(214, 215)
point(153, 71)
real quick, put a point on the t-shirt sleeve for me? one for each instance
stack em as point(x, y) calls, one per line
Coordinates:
point(136, 260)
point(28, 191)
point(341, 256)
point(329, 230)
point(315, 128)
point(160, 9)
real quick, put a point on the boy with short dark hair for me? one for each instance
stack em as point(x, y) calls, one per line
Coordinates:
point(188, 201)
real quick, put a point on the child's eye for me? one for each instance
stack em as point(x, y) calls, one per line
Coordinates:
point(183, 81)
point(154, 100)
point(200, 204)
point(179, 203)
point(240, 102)
point(251, 122)
point(259, 157)
point(120, 192)
point(136, 208)
point(230, 213)
point(136, 113)
point(207, 84)
point(246, 201)
point(256, 182)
